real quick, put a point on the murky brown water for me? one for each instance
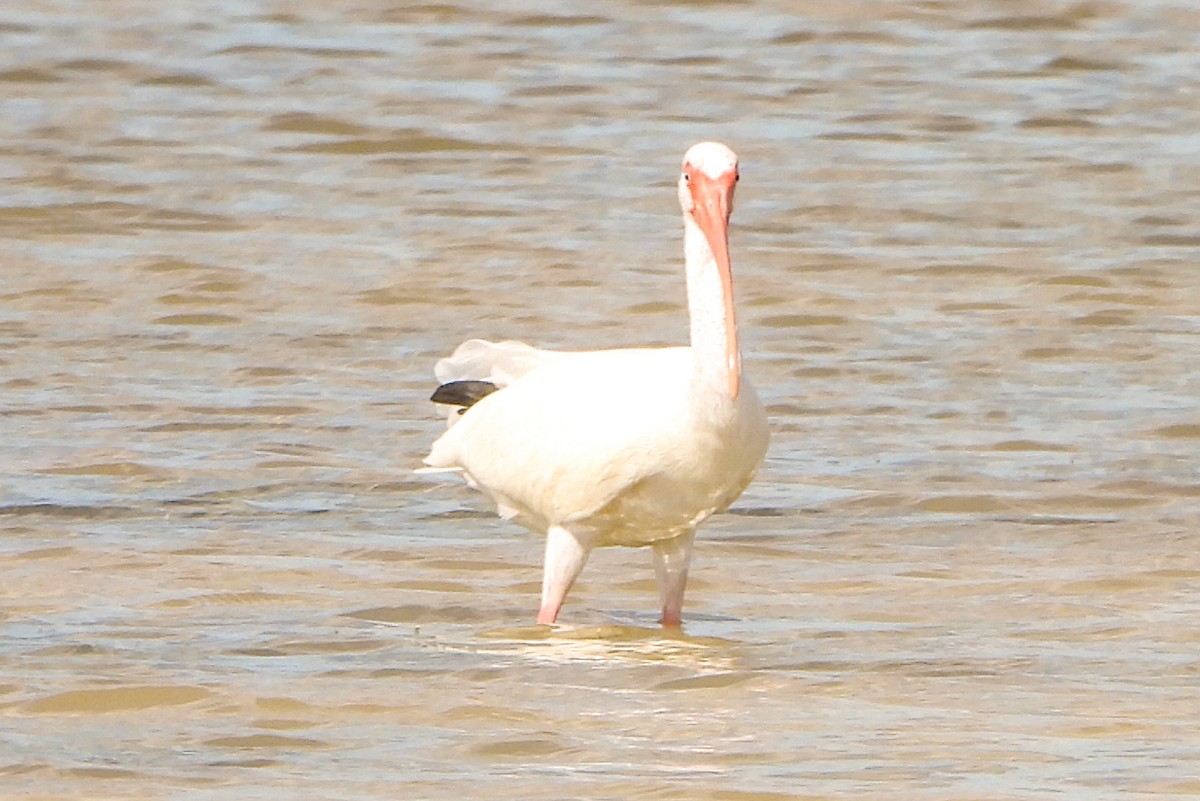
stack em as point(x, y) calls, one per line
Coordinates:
point(234, 237)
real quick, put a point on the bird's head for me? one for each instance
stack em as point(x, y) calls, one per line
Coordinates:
point(708, 180)
point(710, 175)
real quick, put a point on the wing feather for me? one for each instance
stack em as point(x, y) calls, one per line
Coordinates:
point(499, 363)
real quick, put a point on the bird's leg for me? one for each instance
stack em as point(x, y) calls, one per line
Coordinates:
point(671, 558)
point(566, 553)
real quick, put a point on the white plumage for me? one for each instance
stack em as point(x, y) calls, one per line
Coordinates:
point(619, 447)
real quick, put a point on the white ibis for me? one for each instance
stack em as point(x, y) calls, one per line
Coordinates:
point(631, 446)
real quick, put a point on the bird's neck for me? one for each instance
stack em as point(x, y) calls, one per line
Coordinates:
point(715, 354)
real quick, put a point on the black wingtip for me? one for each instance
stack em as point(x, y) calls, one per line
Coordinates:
point(463, 393)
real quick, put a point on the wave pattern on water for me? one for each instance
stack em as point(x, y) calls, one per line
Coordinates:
point(234, 239)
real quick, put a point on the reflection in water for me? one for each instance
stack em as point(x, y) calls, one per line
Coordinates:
point(235, 239)
point(608, 645)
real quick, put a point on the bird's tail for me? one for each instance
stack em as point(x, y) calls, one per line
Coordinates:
point(499, 363)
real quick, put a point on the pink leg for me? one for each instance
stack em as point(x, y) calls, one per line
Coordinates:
point(566, 553)
point(671, 558)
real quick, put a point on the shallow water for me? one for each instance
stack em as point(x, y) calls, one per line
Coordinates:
point(235, 237)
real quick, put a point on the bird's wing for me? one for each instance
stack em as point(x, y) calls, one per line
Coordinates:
point(500, 363)
point(571, 434)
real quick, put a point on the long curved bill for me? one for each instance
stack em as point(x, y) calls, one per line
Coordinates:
point(711, 198)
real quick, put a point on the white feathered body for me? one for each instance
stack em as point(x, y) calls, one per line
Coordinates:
point(613, 441)
point(618, 447)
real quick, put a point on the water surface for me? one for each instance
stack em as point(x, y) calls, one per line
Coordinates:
point(234, 238)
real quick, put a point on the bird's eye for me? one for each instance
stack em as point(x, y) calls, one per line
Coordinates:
point(737, 176)
point(687, 177)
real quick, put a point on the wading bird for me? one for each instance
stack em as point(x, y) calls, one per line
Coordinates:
point(631, 446)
